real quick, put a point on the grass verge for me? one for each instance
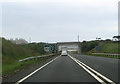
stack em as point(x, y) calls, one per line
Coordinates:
point(14, 66)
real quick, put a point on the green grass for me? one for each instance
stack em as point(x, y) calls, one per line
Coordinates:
point(110, 48)
point(0, 63)
point(0, 67)
point(14, 66)
point(106, 47)
point(11, 53)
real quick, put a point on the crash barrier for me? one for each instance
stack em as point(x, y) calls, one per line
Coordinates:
point(107, 54)
point(36, 57)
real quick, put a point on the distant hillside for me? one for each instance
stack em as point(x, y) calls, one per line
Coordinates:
point(11, 53)
point(14, 51)
point(102, 46)
point(88, 45)
point(36, 47)
point(106, 47)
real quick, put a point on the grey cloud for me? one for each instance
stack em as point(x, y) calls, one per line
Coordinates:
point(53, 22)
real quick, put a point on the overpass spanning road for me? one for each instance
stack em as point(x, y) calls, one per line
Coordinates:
point(72, 68)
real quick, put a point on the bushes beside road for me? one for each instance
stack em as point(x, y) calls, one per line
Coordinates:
point(106, 47)
point(101, 46)
point(89, 45)
point(11, 53)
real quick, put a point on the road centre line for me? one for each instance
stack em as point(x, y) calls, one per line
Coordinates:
point(21, 80)
point(105, 78)
point(92, 74)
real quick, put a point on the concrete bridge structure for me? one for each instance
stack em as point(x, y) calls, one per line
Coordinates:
point(69, 46)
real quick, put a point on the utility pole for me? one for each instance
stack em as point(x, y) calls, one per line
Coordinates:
point(78, 38)
point(30, 40)
point(79, 48)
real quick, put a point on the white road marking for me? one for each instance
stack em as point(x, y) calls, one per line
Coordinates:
point(97, 73)
point(35, 71)
point(88, 69)
point(92, 74)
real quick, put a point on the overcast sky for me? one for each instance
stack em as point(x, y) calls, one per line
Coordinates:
point(59, 20)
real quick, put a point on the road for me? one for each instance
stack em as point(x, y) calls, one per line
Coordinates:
point(69, 69)
point(107, 66)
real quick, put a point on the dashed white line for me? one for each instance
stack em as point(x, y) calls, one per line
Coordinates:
point(21, 80)
point(87, 68)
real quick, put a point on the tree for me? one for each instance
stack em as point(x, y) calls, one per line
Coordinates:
point(108, 40)
point(19, 41)
point(117, 38)
point(98, 38)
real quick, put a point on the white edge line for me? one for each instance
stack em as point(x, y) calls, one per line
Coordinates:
point(21, 80)
point(110, 81)
point(93, 75)
point(98, 73)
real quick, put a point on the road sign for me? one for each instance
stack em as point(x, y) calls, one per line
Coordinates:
point(50, 47)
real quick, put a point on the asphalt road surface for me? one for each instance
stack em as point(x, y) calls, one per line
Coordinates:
point(75, 68)
point(106, 66)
